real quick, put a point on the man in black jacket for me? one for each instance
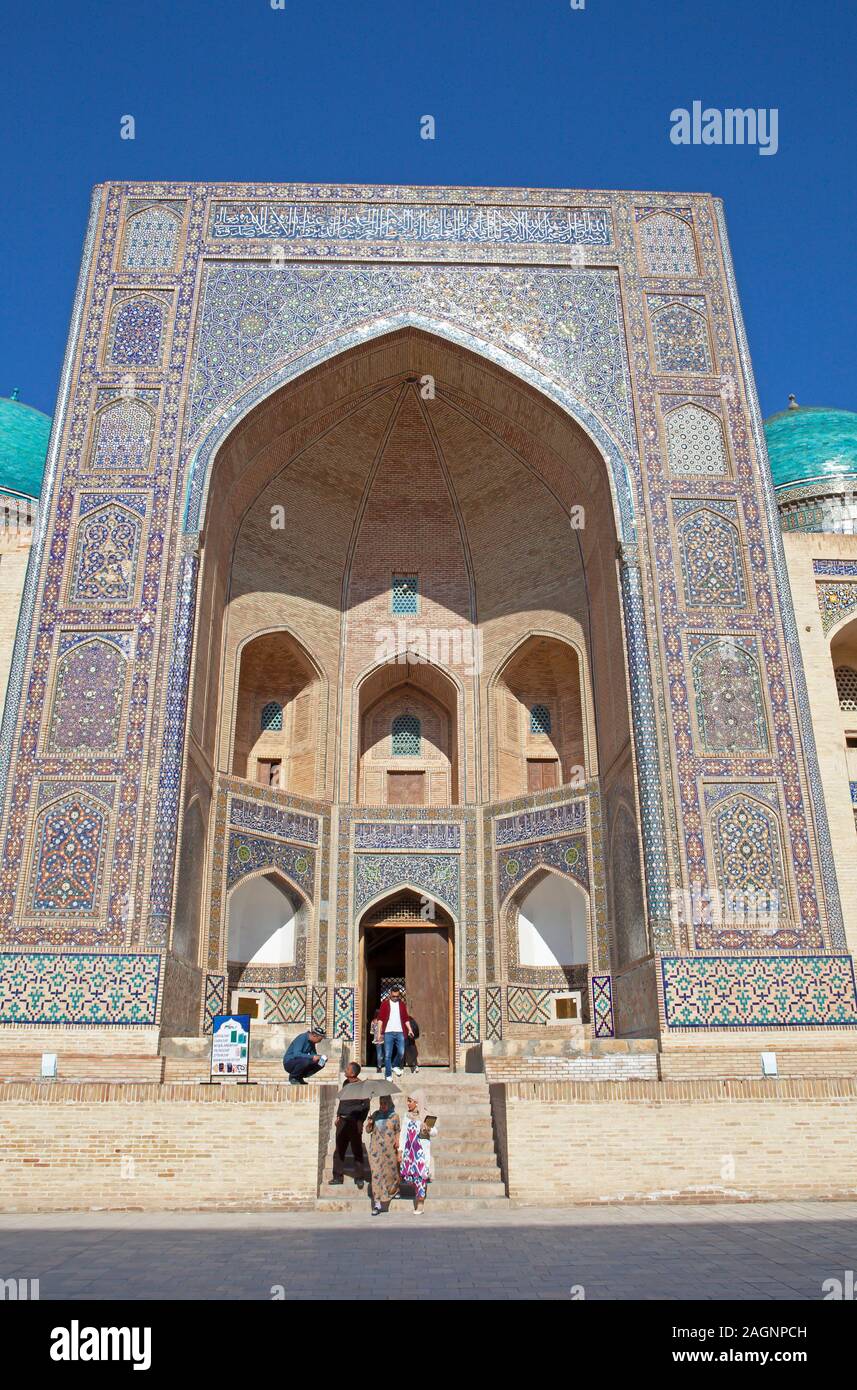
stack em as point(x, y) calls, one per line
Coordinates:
point(350, 1119)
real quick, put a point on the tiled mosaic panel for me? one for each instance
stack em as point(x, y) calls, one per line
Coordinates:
point(468, 1015)
point(525, 1004)
point(247, 853)
point(151, 239)
point(667, 244)
point(123, 437)
point(407, 835)
point(88, 697)
point(835, 602)
point(319, 1006)
point(710, 553)
point(602, 1005)
point(69, 846)
point(343, 1013)
point(215, 1000)
point(494, 1013)
point(137, 332)
point(746, 838)
point(729, 705)
point(574, 315)
point(106, 556)
point(680, 333)
point(273, 820)
point(85, 988)
point(285, 1004)
point(695, 443)
point(759, 991)
point(568, 855)
point(436, 874)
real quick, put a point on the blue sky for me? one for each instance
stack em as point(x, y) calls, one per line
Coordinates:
point(524, 92)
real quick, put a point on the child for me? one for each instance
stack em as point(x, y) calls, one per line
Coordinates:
point(378, 1040)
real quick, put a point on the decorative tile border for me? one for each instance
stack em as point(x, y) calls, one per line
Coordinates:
point(214, 1002)
point(602, 1006)
point(494, 1013)
point(468, 1015)
point(80, 989)
point(343, 1013)
point(319, 1006)
point(758, 992)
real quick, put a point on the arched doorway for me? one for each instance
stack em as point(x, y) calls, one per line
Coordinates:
point(408, 940)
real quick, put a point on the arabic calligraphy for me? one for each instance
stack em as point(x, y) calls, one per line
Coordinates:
point(364, 222)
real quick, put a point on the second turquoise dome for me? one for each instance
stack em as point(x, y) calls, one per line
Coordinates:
point(811, 442)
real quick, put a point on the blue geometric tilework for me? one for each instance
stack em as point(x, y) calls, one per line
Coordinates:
point(68, 855)
point(494, 1013)
point(256, 317)
point(285, 1004)
point(215, 1000)
point(679, 333)
point(710, 551)
point(729, 706)
point(569, 855)
point(405, 595)
point(88, 695)
point(602, 1005)
point(747, 850)
point(835, 602)
point(780, 991)
point(250, 852)
point(540, 824)
point(694, 437)
point(524, 1004)
point(137, 332)
point(123, 432)
point(104, 569)
point(319, 1006)
point(468, 1015)
point(835, 567)
point(151, 239)
point(84, 988)
point(667, 243)
point(436, 874)
point(343, 1013)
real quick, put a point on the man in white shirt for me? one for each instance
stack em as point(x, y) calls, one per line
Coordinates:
point(394, 1019)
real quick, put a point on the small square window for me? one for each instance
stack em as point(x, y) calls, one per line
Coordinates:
point(405, 593)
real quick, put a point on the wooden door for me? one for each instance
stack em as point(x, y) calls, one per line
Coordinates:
point(542, 774)
point(406, 788)
point(427, 991)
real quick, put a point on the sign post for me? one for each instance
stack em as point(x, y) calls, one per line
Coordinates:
point(230, 1048)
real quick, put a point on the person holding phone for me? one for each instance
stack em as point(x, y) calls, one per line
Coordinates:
point(417, 1132)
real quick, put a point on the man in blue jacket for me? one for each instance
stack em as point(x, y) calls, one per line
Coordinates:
point(303, 1058)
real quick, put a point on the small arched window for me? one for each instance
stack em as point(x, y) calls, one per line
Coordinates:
point(272, 718)
point(407, 736)
point(846, 687)
point(540, 719)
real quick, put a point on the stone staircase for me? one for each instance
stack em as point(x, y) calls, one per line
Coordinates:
point(467, 1170)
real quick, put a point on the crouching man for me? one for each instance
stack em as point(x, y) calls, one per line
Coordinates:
point(303, 1058)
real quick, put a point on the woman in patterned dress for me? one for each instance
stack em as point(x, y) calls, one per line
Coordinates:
point(415, 1143)
point(383, 1128)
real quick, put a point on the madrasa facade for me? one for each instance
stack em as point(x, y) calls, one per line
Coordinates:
point(409, 602)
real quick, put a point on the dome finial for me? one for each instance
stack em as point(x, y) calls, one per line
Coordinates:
point(793, 405)
point(15, 391)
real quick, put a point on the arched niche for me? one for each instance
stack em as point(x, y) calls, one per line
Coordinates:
point(266, 919)
point(550, 918)
point(539, 719)
point(275, 724)
point(408, 737)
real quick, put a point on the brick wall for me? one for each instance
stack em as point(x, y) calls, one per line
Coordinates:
point(639, 1140)
point(161, 1148)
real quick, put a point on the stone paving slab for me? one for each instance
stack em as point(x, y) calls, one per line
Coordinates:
point(749, 1251)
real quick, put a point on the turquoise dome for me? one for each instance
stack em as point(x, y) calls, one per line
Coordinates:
point(24, 434)
point(807, 442)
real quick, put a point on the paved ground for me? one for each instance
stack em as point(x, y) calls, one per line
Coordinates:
point(776, 1251)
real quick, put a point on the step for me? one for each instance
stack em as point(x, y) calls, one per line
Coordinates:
point(403, 1207)
point(441, 1187)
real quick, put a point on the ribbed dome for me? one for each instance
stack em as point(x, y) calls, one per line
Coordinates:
point(24, 434)
point(808, 442)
